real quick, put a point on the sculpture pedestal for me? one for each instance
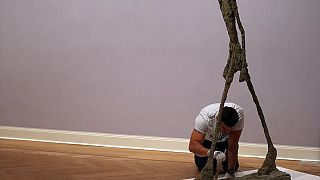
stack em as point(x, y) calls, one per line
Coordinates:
point(275, 175)
point(295, 175)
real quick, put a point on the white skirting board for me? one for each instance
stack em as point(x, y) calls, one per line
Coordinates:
point(148, 142)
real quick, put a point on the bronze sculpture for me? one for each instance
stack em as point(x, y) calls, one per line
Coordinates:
point(237, 62)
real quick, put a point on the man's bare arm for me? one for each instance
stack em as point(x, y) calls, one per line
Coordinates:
point(233, 146)
point(195, 144)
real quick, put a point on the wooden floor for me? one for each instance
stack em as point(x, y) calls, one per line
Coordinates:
point(29, 160)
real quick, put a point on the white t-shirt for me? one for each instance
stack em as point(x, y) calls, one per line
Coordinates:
point(206, 120)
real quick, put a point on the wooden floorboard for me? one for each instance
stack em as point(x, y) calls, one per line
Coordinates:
point(30, 160)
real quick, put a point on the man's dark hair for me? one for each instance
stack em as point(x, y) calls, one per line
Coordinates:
point(229, 116)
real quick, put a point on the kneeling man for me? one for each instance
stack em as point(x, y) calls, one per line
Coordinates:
point(231, 126)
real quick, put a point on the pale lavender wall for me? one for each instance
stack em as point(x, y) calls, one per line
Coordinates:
point(146, 67)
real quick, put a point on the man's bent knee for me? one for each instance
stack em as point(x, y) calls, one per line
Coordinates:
point(200, 162)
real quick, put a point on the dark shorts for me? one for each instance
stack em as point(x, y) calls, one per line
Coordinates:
point(220, 146)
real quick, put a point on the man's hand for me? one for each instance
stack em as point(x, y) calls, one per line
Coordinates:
point(230, 174)
point(228, 177)
point(220, 156)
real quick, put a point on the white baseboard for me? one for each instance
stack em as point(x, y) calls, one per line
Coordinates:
point(148, 142)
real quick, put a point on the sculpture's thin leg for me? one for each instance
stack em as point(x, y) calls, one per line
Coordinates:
point(207, 171)
point(269, 164)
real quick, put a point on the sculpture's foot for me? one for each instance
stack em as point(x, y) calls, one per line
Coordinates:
point(206, 173)
point(274, 175)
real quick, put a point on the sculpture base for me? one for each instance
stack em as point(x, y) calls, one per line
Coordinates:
point(275, 175)
point(295, 175)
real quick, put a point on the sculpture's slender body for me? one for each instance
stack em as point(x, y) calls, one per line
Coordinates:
point(237, 62)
